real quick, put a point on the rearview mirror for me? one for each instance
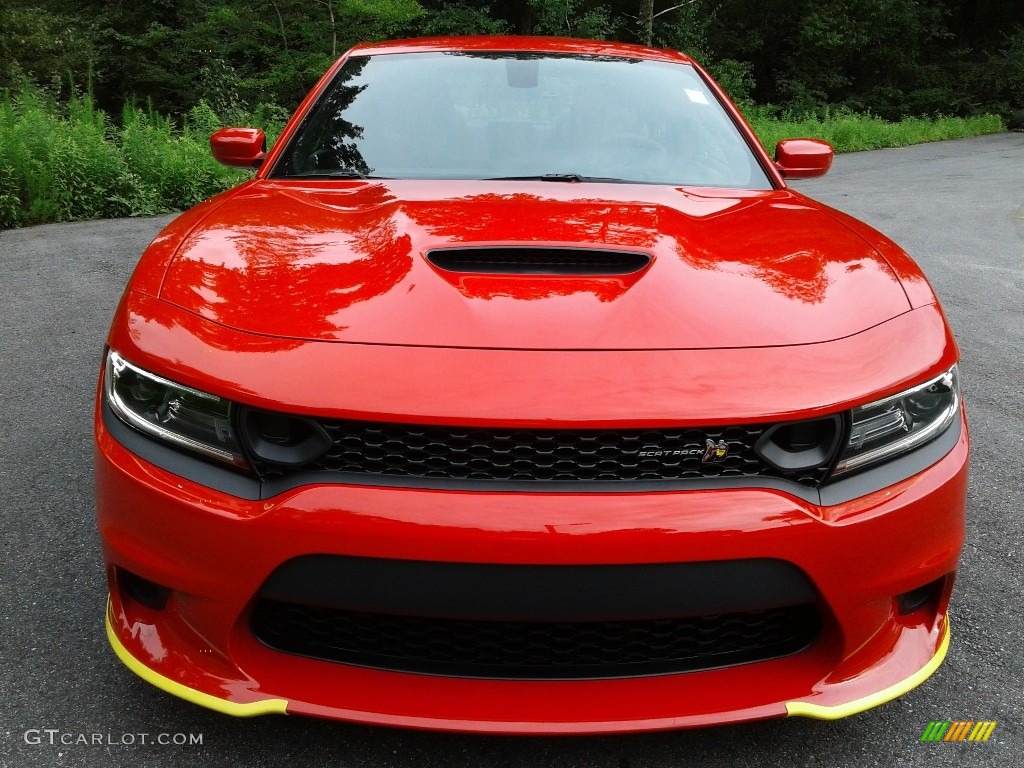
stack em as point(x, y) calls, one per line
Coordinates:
point(239, 147)
point(803, 158)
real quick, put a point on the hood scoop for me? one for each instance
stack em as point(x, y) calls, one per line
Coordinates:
point(537, 260)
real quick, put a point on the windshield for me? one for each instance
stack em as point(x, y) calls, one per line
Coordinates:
point(470, 115)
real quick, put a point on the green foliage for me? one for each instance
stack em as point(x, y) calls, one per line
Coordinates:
point(357, 21)
point(845, 48)
point(849, 132)
point(999, 81)
point(386, 13)
point(74, 163)
point(570, 18)
point(59, 169)
point(850, 71)
point(459, 19)
point(222, 87)
point(688, 28)
point(736, 79)
point(894, 58)
point(44, 47)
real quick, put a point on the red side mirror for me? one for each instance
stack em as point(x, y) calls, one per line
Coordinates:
point(803, 158)
point(239, 147)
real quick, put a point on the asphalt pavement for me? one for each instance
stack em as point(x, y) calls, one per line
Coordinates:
point(957, 207)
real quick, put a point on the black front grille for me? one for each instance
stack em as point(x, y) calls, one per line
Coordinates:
point(534, 650)
point(381, 450)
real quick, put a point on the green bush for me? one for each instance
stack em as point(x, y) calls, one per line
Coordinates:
point(736, 79)
point(849, 132)
point(72, 162)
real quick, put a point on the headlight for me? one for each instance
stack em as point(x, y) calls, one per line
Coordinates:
point(886, 428)
point(185, 417)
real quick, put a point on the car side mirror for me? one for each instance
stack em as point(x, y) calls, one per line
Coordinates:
point(803, 158)
point(239, 147)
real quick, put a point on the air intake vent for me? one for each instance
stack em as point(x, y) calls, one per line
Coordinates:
point(534, 650)
point(538, 261)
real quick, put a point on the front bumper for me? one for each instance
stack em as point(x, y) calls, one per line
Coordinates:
point(214, 551)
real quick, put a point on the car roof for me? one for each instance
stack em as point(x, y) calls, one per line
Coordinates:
point(520, 43)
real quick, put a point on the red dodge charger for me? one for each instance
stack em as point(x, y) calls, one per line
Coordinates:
point(516, 392)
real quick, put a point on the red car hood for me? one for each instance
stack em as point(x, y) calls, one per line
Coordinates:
point(344, 261)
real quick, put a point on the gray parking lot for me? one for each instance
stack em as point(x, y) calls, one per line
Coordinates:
point(957, 207)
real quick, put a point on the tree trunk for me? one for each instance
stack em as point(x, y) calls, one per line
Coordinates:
point(646, 21)
point(280, 21)
point(334, 31)
point(524, 23)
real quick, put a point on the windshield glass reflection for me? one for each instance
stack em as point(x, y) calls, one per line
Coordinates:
point(560, 118)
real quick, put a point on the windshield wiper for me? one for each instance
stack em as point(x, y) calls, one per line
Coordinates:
point(335, 174)
point(572, 178)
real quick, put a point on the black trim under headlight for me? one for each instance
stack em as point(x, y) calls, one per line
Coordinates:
point(184, 417)
point(895, 425)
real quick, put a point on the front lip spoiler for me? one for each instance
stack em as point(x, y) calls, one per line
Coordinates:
point(250, 709)
point(280, 706)
point(839, 711)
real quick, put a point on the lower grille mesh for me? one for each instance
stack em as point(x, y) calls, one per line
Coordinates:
point(533, 650)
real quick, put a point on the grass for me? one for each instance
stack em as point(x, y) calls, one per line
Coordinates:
point(74, 162)
point(849, 132)
point(64, 163)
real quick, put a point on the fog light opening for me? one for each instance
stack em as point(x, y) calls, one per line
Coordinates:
point(143, 591)
point(916, 599)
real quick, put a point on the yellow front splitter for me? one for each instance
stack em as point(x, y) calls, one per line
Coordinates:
point(251, 709)
point(820, 712)
point(279, 706)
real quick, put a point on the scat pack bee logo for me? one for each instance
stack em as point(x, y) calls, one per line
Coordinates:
point(715, 452)
point(711, 453)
